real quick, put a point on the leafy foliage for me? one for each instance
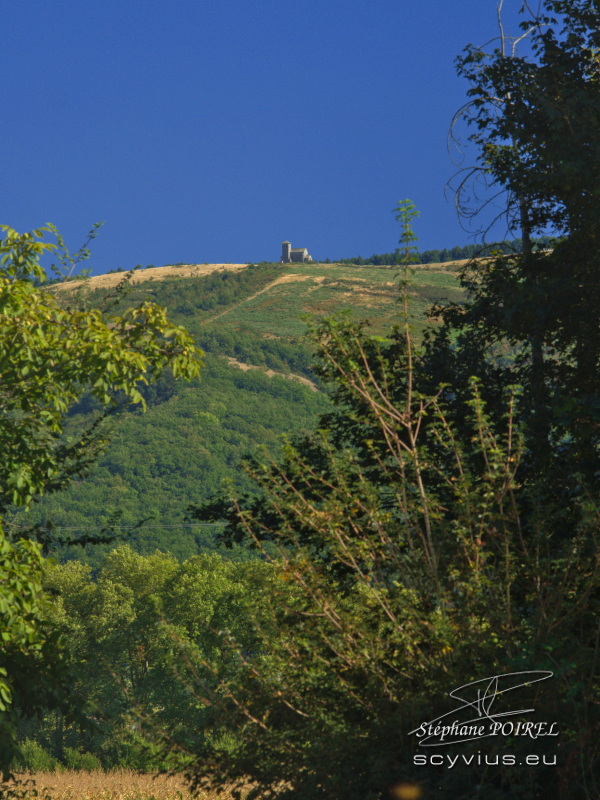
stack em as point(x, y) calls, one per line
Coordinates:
point(422, 556)
point(412, 576)
point(33, 672)
point(49, 357)
point(133, 629)
point(536, 123)
point(178, 452)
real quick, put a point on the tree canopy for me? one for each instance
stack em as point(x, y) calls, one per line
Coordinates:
point(50, 356)
point(535, 120)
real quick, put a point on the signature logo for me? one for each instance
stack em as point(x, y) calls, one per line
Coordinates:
point(480, 697)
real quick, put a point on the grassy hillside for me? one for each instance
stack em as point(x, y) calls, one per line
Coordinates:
point(257, 385)
point(272, 298)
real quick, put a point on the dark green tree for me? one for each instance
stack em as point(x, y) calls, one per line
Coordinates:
point(533, 317)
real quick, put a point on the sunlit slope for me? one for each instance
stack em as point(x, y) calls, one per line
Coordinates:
point(370, 292)
point(273, 300)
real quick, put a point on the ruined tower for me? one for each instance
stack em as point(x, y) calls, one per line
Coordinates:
point(290, 254)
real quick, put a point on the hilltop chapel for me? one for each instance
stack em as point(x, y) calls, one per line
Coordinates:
point(290, 254)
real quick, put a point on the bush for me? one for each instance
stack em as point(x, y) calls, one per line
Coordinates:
point(34, 758)
point(82, 762)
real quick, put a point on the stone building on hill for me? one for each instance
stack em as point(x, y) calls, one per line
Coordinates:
point(291, 254)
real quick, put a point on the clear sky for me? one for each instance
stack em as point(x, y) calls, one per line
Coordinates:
point(209, 131)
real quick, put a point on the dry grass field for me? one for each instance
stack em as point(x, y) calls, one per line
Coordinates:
point(117, 785)
point(112, 279)
point(128, 785)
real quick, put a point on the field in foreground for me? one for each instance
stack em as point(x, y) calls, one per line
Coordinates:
point(117, 785)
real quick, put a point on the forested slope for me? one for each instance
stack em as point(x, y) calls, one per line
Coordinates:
point(193, 435)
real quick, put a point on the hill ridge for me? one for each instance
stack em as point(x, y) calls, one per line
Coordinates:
point(169, 271)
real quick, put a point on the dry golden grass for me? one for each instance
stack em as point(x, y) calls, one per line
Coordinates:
point(112, 279)
point(117, 785)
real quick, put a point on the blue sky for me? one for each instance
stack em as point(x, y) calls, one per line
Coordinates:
point(211, 131)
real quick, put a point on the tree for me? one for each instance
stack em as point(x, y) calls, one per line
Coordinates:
point(436, 535)
point(536, 123)
point(33, 664)
point(50, 355)
point(411, 574)
point(136, 670)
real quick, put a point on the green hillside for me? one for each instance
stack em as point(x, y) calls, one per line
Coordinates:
point(256, 386)
point(277, 310)
point(272, 298)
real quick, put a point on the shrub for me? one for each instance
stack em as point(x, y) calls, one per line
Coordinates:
point(34, 758)
point(83, 762)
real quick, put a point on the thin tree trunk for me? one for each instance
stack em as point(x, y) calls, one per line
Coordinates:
point(539, 424)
